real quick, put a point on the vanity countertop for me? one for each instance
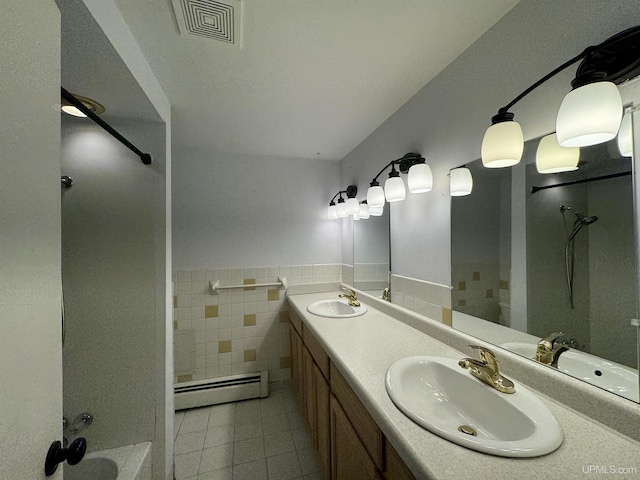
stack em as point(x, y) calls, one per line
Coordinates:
point(364, 347)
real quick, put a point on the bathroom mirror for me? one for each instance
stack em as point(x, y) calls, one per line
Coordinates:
point(371, 253)
point(533, 254)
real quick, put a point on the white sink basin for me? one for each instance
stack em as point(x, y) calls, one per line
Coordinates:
point(442, 397)
point(597, 371)
point(335, 308)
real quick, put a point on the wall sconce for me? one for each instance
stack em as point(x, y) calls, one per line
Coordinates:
point(625, 136)
point(420, 180)
point(552, 158)
point(590, 114)
point(460, 182)
point(344, 208)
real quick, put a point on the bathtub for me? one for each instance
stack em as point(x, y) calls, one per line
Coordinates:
point(132, 462)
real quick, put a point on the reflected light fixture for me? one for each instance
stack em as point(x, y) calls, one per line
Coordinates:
point(364, 210)
point(68, 107)
point(460, 182)
point(376, 211)
point(342, 209)
point(552, 158)
point(589, 114)
point(420, 180)
point(625, 136)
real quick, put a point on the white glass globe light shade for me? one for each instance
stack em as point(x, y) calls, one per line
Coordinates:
point(394, 190)
point(375, 196)
point(625, 136)
point(353, 207)
point(342, 210)
point(589, 115)
point(420, 179)
point(502, 145)
point(364, 211)
point(333, 212)
point(552, 158)
point(375, 211)
point(460, 182)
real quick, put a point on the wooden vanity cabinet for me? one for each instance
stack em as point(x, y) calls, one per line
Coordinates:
point(350, 459)
point(347, 439)
point(312, 388)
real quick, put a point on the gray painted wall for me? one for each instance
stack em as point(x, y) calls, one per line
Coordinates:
point(109, 274)
point(234, 210)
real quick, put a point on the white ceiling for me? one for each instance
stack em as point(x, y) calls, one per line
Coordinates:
point(312, 76)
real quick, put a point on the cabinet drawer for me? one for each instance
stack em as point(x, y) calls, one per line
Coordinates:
point(317, 352)
point(367, 429)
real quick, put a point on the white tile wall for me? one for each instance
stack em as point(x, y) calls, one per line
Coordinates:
point(425, 298)
point(241, 330)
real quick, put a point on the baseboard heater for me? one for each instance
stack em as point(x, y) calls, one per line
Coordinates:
point(213, 391)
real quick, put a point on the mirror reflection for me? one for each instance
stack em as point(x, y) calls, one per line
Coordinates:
point(544, 264)
point(371, 254)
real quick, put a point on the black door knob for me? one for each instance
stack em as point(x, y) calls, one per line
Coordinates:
point(57, 454)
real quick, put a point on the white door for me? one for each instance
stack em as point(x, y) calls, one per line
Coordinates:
point(30, 327)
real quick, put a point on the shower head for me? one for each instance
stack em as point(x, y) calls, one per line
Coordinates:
point(580, 218)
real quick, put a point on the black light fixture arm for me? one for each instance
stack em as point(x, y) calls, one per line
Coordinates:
point(616, 59)
point(404, 163)
point(145, 157)
point(540, 82)
point(351, 192)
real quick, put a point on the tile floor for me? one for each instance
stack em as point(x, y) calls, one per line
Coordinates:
point(259, 439)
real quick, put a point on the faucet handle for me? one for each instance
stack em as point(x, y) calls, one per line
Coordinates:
point(484, 351)
point(487, 356)
point(550, 339)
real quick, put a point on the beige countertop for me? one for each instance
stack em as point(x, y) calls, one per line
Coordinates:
point(364, 347)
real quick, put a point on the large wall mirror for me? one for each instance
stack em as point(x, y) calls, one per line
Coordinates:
point(534, 254)
point(371, 258)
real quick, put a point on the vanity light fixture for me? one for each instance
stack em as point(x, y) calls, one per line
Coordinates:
point(460, 182)
point(625, 136)
point(420, 180)
point(552, 158)
point(344, 208)
point(590, 114)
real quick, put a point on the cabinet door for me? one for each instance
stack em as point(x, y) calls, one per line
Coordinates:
point(323, 421)
point(395, 468)
point(296, 365)
point(349, 459)
point(309, 394)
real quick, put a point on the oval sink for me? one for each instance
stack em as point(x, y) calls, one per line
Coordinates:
point(445, 399)
point(611, 376)
point(335, 308)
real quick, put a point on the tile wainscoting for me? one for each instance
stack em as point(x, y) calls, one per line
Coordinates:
point(236, 330)
point(432, 300)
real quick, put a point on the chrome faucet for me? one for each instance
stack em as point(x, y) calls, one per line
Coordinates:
point(548, 350)
point(486, 370)
point(353, 298)
point(386, 294)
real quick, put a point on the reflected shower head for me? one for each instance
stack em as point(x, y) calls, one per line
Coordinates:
point(580, 218)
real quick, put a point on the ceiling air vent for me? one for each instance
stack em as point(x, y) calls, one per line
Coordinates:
point(209, 19)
